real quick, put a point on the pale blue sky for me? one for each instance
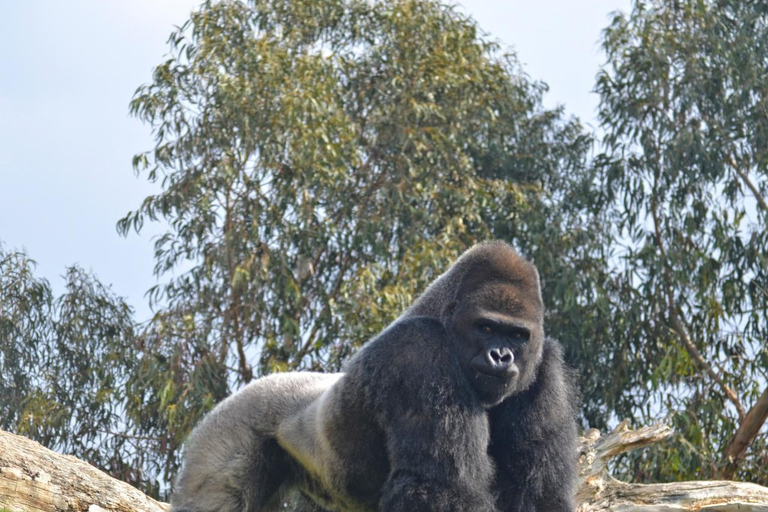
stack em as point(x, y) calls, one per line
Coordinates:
point(69, 69)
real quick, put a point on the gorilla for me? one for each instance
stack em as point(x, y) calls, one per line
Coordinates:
point(460, 405)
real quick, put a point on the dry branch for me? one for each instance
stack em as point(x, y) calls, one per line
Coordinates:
point(601, 492)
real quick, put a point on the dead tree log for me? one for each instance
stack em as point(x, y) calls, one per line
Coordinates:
point(35, 479)
point(601, 492)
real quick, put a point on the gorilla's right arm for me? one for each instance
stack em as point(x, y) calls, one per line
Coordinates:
point(400, 431)
point(436, 430)
point(533, 435)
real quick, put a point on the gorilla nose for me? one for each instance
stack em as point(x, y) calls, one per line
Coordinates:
point(497, 361)
point(501, 357)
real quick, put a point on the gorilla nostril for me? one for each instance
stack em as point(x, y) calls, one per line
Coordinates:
point(501, 356)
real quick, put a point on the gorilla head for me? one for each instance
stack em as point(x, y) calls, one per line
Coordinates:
point(490, 304)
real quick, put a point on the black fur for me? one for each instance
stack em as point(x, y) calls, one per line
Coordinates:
point(460, 405)
point(534, 439)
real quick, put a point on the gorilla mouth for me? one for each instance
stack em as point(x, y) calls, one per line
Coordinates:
point(494, 379)
point(485, 374)
point(497, 374)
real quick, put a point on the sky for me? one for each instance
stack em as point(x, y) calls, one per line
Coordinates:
point(69, 69)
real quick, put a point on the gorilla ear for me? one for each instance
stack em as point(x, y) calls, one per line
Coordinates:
point(537, 279)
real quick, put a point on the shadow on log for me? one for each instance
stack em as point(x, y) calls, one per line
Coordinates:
point(35, 479)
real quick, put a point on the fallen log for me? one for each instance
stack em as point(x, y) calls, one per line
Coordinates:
point(36, 479)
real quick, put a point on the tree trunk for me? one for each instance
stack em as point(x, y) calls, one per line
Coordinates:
point(745, 435)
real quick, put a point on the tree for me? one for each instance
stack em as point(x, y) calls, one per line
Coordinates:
point(64, 365)
point(683, 100)
point(321, 162)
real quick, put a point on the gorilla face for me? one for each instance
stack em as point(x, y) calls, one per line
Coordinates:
point(498, 339)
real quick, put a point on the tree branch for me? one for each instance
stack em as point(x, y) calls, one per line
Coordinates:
point(760, 199)
point(745, 435)
point(682, 332)
point(35, 479)
point(600, 492)
point(246, 372)
point(677, 323)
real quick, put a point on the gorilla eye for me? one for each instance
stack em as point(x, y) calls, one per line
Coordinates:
point(519, 335)
point(485, 328)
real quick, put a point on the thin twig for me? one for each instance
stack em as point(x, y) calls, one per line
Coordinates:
point(760, 199)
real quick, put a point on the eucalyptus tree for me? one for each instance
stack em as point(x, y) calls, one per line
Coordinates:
point(684, 109)
point(64, 366)
point(320, 163)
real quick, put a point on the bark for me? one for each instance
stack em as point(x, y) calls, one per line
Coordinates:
point(601, 492)
point(35, 479)
point(746, 434)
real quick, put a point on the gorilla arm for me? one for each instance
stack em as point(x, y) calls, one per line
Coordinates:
point(533, 440)
point(435, 428)
point(231, 461)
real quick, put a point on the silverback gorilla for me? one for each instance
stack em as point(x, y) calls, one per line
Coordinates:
point(460, 405)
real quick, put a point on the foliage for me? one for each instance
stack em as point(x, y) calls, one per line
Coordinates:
point(321, 162)
point(64, 364)
point(684, 97)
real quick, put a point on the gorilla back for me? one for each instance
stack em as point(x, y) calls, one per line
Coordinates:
point(460, 405)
